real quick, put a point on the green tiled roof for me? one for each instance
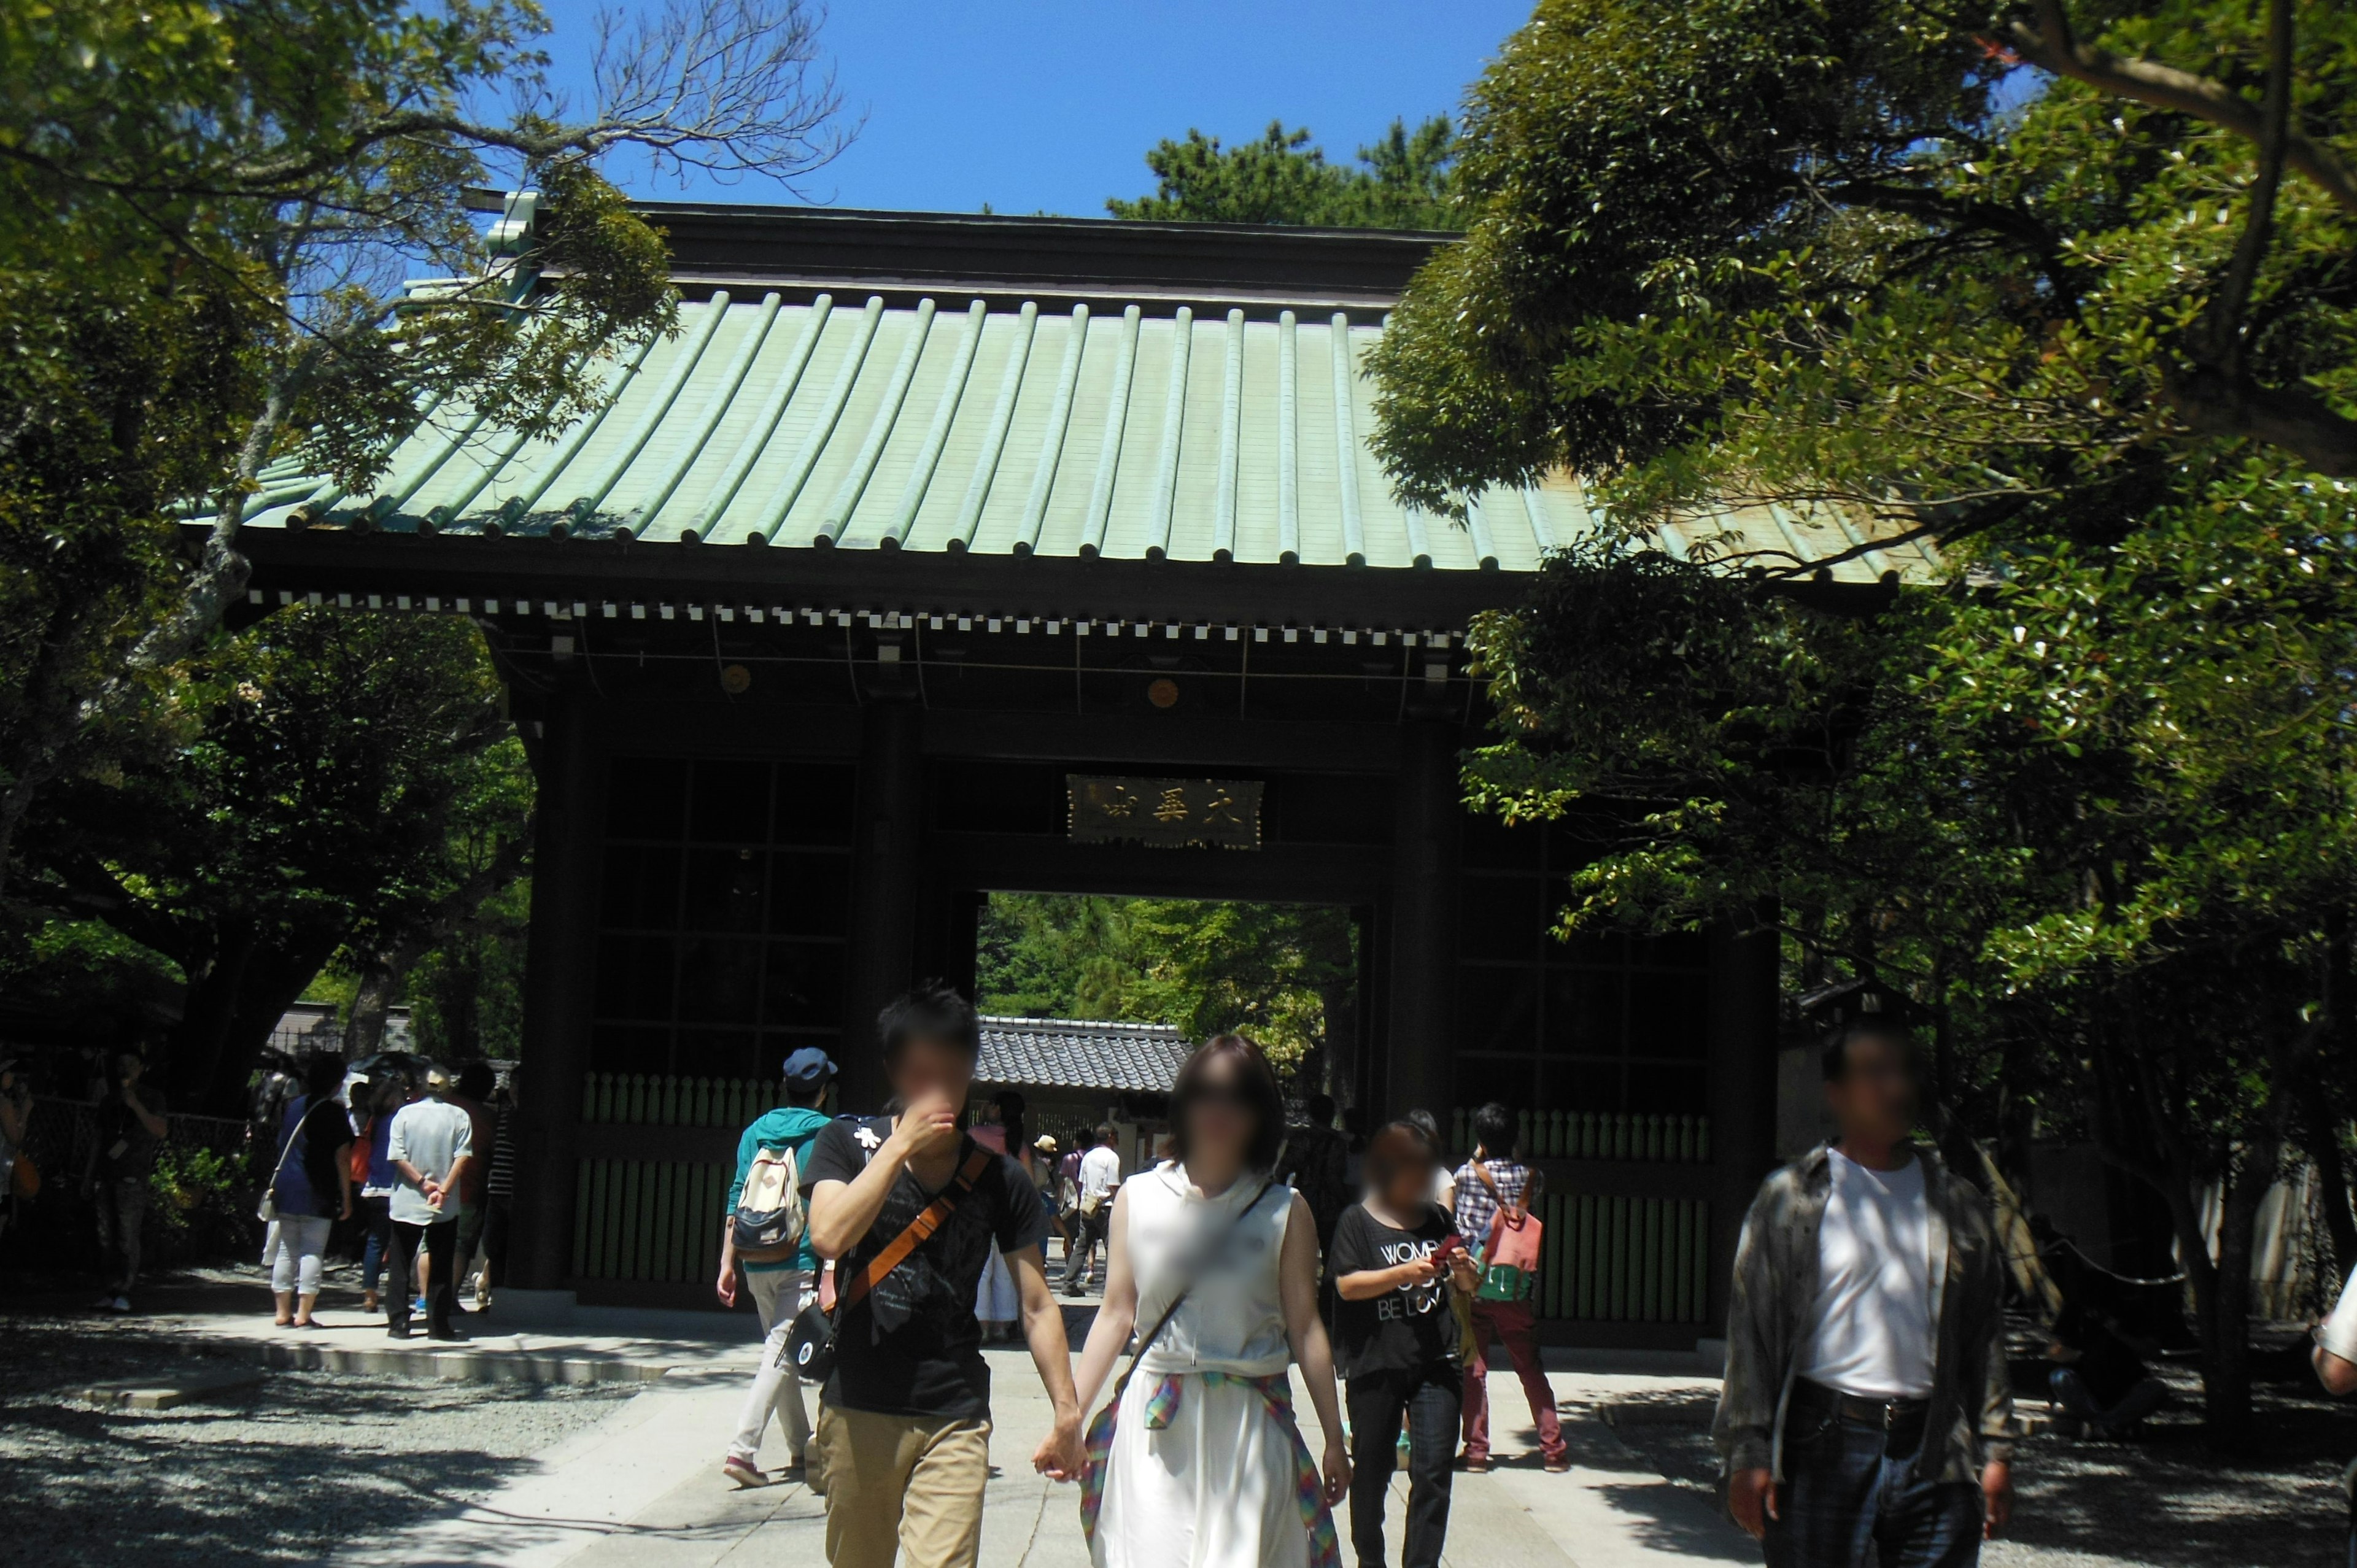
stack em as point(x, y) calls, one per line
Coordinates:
point(1143, 431)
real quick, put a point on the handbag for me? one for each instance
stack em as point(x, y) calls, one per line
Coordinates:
point(811, 1341)
point(26, 1180)
point(361, 1147)
point(266, 1210)
point(1509, 1254)
point(1510, 1265)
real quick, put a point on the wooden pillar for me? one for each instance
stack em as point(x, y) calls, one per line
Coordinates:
point(884, 888)
point(1427, 833)
point(560, 959)
point(1743, 987)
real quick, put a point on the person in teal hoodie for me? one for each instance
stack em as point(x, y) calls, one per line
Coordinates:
point(779, 1288)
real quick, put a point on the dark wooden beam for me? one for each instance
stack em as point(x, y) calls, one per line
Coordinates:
point(1304, 873)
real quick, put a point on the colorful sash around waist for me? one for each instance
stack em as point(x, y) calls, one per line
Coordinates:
point(1162, 1402)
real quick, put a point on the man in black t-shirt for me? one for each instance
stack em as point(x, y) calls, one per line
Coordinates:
point(904, 1423)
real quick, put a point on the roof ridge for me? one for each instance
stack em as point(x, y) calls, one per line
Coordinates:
point(1076, 1023)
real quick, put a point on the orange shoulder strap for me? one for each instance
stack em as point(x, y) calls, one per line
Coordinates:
point(896, 1250)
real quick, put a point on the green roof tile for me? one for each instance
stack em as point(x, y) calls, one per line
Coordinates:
point(1145, 430)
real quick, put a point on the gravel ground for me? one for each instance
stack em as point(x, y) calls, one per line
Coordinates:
point(2168, 1499)
point(281, 1472)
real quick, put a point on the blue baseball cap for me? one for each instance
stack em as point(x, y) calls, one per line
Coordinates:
point(809, 1067)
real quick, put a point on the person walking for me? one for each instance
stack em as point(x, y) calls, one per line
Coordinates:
point(374, 1104)
point(1494, 1191)
point(1198, 1461)
point(499, 1190)
point(996, 1304)
point(431, 1143)
point(310, 1189)
point(1045, 1166)
point(2335, 1360)
point(908, 1209)
point(1397, 1256)
point(1067, 1190)
point(1867, 1405)
point(472, 1094)
point(1100, 1174)
point(1321, 1156)
point(15, 1123)
point(781, 1281)
point(131, 1128)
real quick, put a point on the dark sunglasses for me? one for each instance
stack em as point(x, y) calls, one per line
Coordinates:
point(1231, 1095)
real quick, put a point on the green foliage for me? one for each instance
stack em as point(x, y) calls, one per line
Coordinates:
point(1286, 975)
point(1404, 181)
point(466, 996)
point(336, 774)
point(2097, 816)
point(200, 1208)
point(208, 214)
point(1856, 254)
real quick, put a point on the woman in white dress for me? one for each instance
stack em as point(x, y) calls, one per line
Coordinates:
point(1199, 1463)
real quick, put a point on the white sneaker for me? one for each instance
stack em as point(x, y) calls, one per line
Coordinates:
point(120, 1303)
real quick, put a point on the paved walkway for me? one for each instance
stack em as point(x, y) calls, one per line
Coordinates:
point(643, 1490)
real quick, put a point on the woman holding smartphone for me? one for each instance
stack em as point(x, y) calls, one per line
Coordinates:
point(1395, 1257)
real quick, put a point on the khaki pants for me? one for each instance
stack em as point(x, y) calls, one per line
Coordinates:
point(777, 1295)
point(904, 1483)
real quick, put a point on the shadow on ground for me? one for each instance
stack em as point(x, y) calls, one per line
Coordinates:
point(288, 1471)
point(2169, 1499)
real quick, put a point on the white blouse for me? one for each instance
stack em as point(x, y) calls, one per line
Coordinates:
point(1233, 1318)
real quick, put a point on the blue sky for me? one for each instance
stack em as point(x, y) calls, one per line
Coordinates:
point(1050, 104)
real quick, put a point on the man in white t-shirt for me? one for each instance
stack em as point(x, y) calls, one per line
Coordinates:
point(1100, 1175)
point(432, 1142)
point(2336, 1367)
point(1866, 1400)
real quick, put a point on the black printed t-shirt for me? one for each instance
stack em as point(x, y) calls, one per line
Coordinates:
point(1404, 1330)
point(911, 1347)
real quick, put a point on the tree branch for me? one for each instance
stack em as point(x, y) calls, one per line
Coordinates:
point(2223, 328)
point(2051, 47)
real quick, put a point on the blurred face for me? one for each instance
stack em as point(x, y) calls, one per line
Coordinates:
point(1875, 1098)
point(1400, 1166)
point(127, 1068)
point(1220, 1120)
point(1409, 1186)
point(924, 1066)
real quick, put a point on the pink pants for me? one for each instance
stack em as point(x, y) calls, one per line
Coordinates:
point(1513, 1324)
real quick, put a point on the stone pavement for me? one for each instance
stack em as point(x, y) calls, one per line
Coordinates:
point(644, 1489)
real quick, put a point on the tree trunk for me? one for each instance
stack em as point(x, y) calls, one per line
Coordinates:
point(2332, 1179)
point(388, 969)
point(2222, 1287)
point(205, 1011)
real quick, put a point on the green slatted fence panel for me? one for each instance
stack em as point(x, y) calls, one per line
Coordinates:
point(1698, 1303)
point(581, 1212)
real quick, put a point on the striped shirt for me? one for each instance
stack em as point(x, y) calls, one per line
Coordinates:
point(501, 1182)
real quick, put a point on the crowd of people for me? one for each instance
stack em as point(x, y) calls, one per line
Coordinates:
point(1866, 1410)
point(416, 1164)
point(882, 1253)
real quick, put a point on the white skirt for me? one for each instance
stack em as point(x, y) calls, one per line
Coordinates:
point(996, 1300)
point(1214, 1490)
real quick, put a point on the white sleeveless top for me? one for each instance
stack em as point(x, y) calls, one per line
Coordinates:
point(1234, 1318)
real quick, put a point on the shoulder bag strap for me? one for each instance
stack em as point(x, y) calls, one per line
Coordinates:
point(896, 1251)
point(287, 1152)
